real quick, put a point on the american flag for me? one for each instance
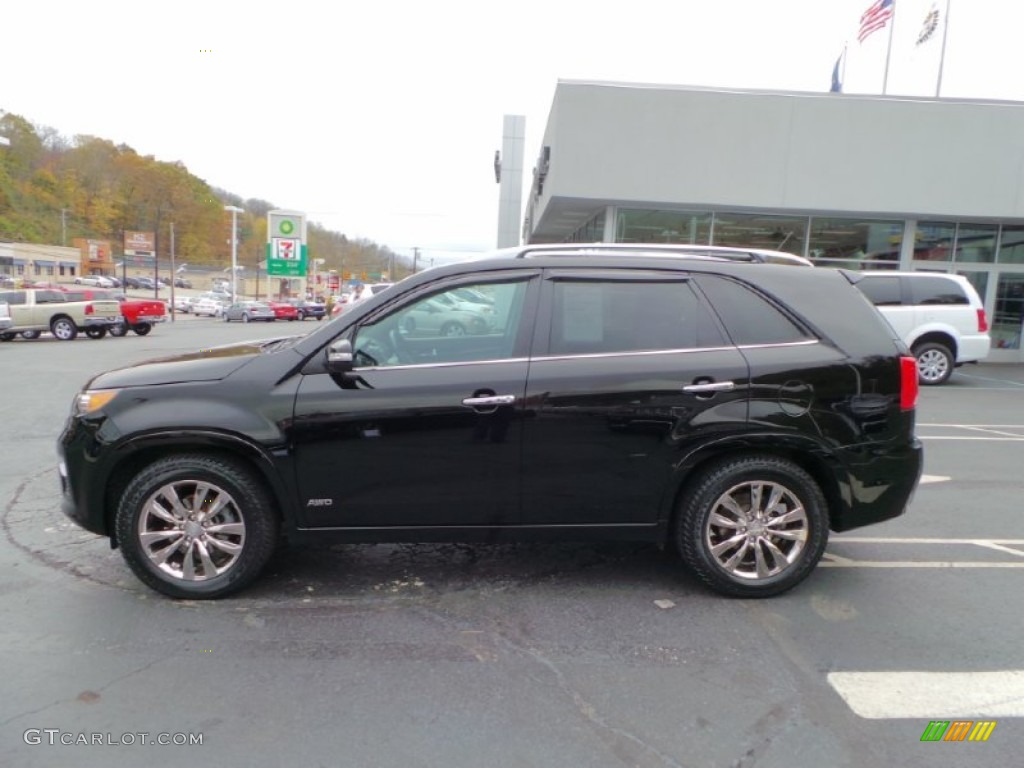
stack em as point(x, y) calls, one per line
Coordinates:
point(874, 18)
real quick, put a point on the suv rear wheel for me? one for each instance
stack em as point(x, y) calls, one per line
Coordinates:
point(196, 526)
point(752, 526)
point(934, 363)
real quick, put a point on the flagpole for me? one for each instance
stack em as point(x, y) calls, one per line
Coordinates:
point(942, 56)
point(888, 50)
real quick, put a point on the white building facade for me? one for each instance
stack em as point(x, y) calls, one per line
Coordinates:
point(860, 182)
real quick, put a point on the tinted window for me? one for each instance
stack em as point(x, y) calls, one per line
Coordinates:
point(13, 297)
point(749, 317)
point(441, 328)
point(928, 289)
point(882, 291)
point(628, 316)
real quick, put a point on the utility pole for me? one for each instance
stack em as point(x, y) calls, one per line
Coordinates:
point(173, 273)
point(63, 226)
point(415, 259)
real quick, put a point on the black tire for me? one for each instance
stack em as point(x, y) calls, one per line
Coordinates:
point(453, 329)
point(245, 317)
point(935, 363)
point(118, 330)
point(245, 536)
point(142, 328)
point(96, 332)
point(705, 527)
point(31, 334)
point(62, 328)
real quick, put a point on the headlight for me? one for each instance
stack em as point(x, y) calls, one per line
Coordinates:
point(92, 400)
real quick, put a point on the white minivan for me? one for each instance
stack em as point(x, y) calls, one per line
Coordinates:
point(937, 314)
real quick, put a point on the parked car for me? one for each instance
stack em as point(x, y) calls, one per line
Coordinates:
point(248, 311)
point(183, 304)
point(181, 282)
point(208, 307)
point(6, 281)
point(35, 311)
point(283, 310)
point(733, 411)
point(441, 316)
point(938, 315)
point(100, 281)
point(308, 308)
point(138, 315)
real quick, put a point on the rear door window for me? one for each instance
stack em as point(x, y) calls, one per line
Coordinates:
point(631, 314)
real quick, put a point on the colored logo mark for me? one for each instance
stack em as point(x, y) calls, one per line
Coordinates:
point(958, 730)
point(286, 227)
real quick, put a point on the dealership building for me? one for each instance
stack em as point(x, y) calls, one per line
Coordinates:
point(852, 181)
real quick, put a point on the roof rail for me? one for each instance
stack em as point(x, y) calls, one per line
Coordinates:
point(715, 252)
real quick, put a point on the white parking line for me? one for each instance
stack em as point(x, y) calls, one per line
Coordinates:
point(932, 695)
point(832, 560)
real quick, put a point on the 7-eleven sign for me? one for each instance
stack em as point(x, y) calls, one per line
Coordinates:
point(286, 257)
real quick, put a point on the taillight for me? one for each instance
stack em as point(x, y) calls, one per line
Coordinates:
point(88, 309)
point(908, 383)
point(982, 321)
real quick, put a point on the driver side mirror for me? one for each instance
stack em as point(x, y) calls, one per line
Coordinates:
point(339, 357)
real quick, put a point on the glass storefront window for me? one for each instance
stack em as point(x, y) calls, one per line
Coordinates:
point(855, 243)
point(591, 232)
point(755, 230)
point(934, 241)
point(1009, 314)
point(975, 244)
point(1011, 246)
point(653, 226)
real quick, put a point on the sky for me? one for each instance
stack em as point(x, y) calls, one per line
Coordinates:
point(380, 119)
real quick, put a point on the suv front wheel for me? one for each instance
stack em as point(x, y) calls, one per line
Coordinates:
point(196, 526)
point(934, 363)
point(752, 526)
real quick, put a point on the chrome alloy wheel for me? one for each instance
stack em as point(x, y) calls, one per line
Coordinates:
point(756, 530)
point(933, 365)
point(191, 530)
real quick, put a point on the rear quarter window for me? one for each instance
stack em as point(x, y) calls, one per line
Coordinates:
point(749, 317)
point(926, 289)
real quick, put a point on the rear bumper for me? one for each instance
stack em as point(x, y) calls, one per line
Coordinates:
point(973, 348)
point(881, 488)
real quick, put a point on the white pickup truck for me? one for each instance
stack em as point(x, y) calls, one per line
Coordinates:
point(35, 310)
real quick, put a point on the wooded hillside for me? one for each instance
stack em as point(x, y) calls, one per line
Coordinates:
point(53, 190)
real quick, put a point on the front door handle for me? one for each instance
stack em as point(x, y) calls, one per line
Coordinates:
point(490, 401)
point(710, 387)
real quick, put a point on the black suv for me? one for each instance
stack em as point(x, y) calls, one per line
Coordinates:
point(736, 411)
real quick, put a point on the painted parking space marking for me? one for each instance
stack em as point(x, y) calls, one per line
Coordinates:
point(931, 695)
point(983, 549)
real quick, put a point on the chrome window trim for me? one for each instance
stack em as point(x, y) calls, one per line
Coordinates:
point(591, 355)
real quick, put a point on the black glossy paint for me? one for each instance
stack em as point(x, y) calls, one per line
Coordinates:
point(594, 444)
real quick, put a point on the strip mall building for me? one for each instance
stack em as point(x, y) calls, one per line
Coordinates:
point(860, 182)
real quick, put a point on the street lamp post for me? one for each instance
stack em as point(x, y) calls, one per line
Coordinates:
point(235, 210)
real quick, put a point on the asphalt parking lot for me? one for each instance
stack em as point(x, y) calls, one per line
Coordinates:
point(515, 655)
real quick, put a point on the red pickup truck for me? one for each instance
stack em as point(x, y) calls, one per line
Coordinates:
point(139, 314)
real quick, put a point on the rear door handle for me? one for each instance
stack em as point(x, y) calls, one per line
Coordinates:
point(710, 386)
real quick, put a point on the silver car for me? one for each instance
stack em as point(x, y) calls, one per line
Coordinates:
point(247, 311)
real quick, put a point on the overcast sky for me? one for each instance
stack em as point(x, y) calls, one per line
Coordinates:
point(380, 119)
